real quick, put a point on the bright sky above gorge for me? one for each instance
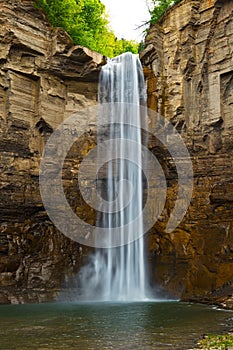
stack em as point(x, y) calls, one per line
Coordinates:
point(125, 16)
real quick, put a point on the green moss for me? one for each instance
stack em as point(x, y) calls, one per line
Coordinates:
point(221, 342)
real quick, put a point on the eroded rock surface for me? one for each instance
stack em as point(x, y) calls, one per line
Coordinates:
point(189, 66)
point(44, 78)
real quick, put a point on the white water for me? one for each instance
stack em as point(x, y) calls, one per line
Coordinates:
point(118, 274)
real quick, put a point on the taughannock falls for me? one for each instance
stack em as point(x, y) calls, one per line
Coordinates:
point(44, 79)
point(118, 273)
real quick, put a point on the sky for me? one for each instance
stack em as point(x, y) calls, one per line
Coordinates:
point(125, 16)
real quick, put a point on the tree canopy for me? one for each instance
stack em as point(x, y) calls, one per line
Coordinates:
point(87, 23)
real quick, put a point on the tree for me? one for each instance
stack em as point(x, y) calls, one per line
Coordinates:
point(62, 12)
point(124, 45)
point(159, 7)
point(87, 23)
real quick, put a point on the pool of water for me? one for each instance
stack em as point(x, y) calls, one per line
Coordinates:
point(84, 326)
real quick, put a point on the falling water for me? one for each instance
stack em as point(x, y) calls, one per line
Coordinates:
point(118, 273)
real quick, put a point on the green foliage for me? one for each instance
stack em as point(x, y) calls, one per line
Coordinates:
point(87, 24)
point(141, 46)
point(125, 46)
point(159, 7)
point(220, 342)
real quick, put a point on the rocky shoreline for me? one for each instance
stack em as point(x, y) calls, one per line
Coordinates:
point(224, 302)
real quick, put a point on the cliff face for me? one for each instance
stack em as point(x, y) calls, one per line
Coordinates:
point(43, 80)
point(189, 66)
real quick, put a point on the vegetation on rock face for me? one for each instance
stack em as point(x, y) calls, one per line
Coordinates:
point(87, 23)
point(158, 7)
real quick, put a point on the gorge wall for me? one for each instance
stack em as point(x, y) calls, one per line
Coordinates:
point(188, 61)
point(44, 78)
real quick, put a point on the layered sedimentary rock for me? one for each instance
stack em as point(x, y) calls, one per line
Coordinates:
point(44, 78)
point(188, 62)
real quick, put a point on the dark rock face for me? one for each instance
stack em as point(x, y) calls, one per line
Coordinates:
point(43, 80)
point(188, 64)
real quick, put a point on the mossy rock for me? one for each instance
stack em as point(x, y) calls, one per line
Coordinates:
point(220, 342)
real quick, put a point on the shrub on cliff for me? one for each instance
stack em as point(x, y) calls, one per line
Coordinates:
point(87, 23)
point(158, 7)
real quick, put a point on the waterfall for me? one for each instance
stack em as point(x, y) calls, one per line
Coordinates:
point(118, 273)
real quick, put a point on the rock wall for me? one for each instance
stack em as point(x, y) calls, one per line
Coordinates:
point(189, 67)
point(44, 78)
